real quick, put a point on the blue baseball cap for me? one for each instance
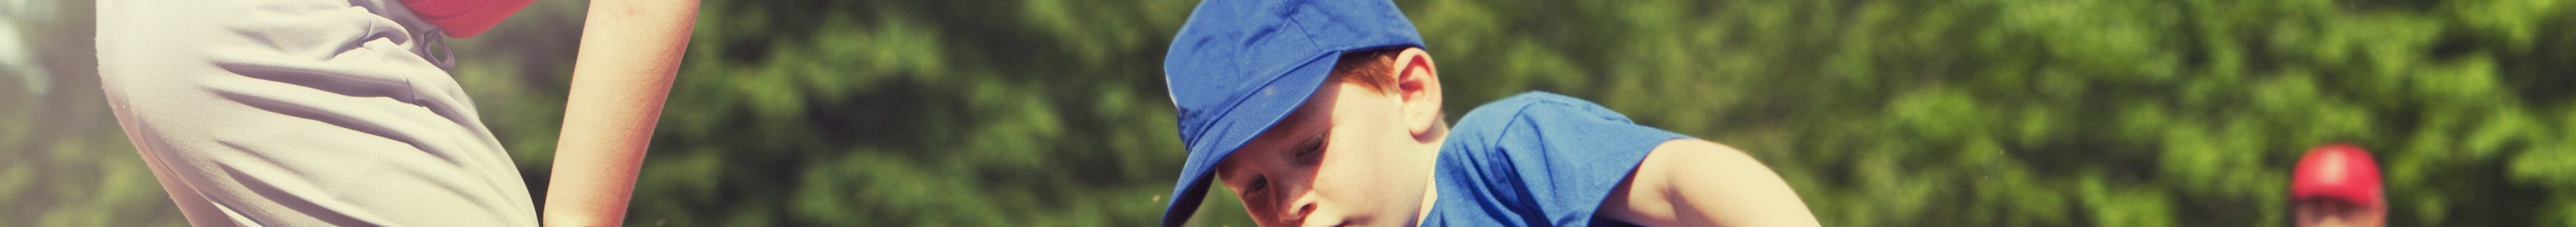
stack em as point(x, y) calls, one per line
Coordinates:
point(1239, 66)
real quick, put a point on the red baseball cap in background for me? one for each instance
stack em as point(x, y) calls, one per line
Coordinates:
point(2338, 172)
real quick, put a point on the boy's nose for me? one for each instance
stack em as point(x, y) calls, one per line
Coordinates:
point(1302, 205)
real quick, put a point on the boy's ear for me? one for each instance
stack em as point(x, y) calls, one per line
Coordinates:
point(1418, 85)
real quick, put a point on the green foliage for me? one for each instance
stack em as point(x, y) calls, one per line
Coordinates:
point(63, 161)
point(1879, 113)
point(941, 113)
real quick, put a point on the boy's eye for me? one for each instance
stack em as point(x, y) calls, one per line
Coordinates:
point(1310, 147)
point(1258, 183)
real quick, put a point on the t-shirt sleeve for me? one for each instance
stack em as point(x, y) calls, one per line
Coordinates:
point(1553, 162)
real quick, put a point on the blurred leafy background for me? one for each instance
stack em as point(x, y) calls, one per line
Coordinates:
point(1879, 112)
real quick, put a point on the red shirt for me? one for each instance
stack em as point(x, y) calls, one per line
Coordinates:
point(464, 18)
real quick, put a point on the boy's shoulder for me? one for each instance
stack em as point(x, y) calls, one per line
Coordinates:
point(1538, 156)
point(1569, 141)
point(1533, 111)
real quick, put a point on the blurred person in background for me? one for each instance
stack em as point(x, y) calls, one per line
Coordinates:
point(2337, 185)
point(341, 113)
point(1328, 113)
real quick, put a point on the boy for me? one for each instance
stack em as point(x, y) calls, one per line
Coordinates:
point(2337, 185)
point(1373, 147)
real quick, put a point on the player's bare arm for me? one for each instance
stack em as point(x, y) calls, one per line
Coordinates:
point(630, 50)
point(1692, 182)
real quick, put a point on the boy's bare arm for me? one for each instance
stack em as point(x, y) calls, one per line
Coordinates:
point(630, 50)
point(1691, 182)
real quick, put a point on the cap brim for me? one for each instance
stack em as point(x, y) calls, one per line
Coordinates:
point(1240, 124)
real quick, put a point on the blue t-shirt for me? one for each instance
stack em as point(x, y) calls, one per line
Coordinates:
point(1536, 159)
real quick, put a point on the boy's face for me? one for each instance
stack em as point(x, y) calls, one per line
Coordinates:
point(1346, 157)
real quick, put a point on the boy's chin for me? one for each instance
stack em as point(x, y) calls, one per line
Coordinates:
point(1407, 218)
point(1351, 221)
